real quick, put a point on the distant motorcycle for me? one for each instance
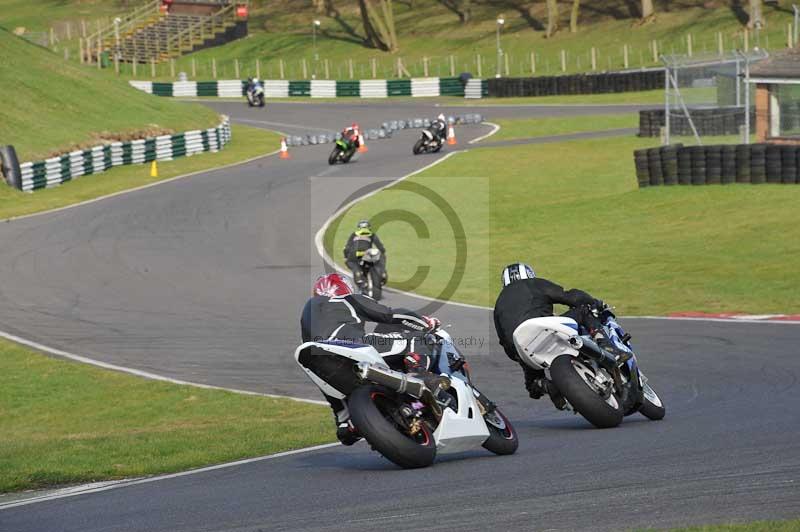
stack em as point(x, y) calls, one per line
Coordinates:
point(342, 152)
point(372, 285)
point(582, 376)
point(430, 142)
point(255, 95)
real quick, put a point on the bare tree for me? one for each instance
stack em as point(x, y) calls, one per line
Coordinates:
point(756, 19)
point(552, 17)
point(573, 16)
point(466, 11)
point(648, 11)
point(378, 23)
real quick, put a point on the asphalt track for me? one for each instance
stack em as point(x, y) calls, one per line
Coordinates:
point(202, 279)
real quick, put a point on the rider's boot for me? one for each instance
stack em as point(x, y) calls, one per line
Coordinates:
point(347, 433)
point(534, 382)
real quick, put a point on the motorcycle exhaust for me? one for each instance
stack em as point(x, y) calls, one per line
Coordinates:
point(394, 380)
point(590, 348)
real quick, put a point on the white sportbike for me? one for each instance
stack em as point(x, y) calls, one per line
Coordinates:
point(409, 418)
point(587, 377)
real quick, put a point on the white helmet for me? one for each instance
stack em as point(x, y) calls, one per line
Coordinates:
point(441, 117)
point(516, 272)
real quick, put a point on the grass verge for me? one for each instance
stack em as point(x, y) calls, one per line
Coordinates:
point(574, 211)
point(53, 106)
point(540, 127)
point(63, 423)
point(246, 142)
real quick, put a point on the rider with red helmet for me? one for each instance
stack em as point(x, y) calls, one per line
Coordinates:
point(335, 312)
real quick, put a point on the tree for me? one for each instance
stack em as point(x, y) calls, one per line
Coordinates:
point(552, 17)
point(379, 24)
point(756, 19)
point(466, 11)
point(573, 16)
point(647, 9)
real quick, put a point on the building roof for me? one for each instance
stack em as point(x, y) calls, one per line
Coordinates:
point(779, 65)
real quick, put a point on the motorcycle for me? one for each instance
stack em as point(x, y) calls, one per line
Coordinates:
point(430, 142)
point(405, 417)
point(372, 285)
point(255, 95)
point(583, 377)
point(343, 151)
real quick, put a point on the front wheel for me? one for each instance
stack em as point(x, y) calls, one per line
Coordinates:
point(374, 412)
point(502, 436)
point(418, 146)
point(374, 283)
point(652, 407)
point(334, 156)
point(577, 382)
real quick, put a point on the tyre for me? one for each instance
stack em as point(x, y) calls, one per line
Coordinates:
point(652, 407)
point(573, 379)
point(374, 283)
point(418, 146)
point(334, 156)
point(371, 411)
point(502, 436)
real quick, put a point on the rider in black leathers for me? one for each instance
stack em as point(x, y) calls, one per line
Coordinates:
point(335, 313)
point(525, 296)
point(359, 242)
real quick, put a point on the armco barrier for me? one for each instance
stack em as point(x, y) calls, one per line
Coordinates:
point(57, 170)
point(372, 88)
point(719, 164)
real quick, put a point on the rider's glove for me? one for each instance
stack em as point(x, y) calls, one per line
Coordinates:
point(433, 323)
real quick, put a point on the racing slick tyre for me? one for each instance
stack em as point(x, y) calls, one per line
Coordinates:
point(574, 380)
point(374, 284)
point(502, 436)
point(418, 146)
point(334, 156)
point(373, 411)
point(652, 407)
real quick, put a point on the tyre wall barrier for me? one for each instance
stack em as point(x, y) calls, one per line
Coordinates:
point(385, 130)
point(56, 170)
point(717, 165)
point(602, 83)
point(372, 88)
point(708, 122)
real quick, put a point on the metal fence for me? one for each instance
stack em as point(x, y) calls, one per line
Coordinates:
point(707, 98)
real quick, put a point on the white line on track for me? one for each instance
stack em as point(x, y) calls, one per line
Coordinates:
point(495, 129)
point(144, 374)
point(94, 488)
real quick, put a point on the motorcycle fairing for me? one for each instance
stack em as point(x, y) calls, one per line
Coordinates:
point(463, 429)
point(540, 340)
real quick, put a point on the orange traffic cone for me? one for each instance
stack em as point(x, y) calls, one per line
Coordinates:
point(451, 135)
point(284, 150)
point(362, 146)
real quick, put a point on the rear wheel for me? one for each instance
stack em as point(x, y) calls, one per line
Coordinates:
point(418, 146)
point(578, 382)
point(334, 156)
point(502, 436)
point(374, 412)
point(652, 407)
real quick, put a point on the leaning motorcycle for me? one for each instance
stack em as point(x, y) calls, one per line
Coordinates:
point(342, 152)
point(255, 95)
point(430, 142)
point(582, 376)
point(408, 418)
point(372, 284)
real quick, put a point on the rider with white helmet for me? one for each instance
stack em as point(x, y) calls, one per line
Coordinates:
point(525, 296)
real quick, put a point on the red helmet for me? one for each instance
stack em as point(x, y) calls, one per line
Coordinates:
point(354, 126)
point(333, 285)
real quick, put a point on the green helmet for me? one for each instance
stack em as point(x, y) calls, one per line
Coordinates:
point(364, 228)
